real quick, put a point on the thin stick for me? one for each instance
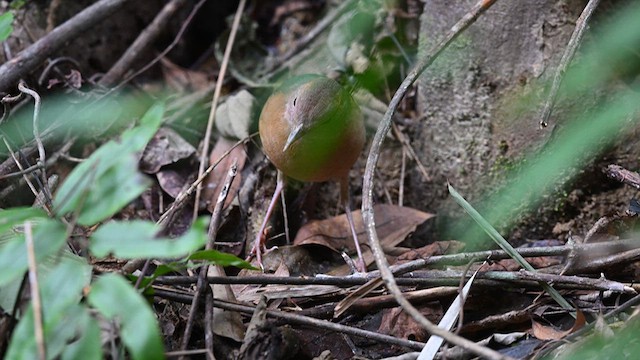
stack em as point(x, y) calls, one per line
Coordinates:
point(298, 319)
point(345, 195)
point(579, 334)
point(35, 292)
point(31, 57)
point(164, 52)
point(570, 51)
point(214, 102)
point(403, 168)
point(623, 175)
point(36, 134)
point(142, 42)
point(367, 201)
point(521, 278)
point(26, 171)
point(26, 178)
point(202, 283)
point(407, 147)
point(258, 243)
point(184, 195)
point(317, 30)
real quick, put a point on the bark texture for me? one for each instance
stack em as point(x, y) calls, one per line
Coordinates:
point(469, 121)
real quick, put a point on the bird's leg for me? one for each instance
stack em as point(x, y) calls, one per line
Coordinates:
point(346, 200)
point(259, 243)
point(280, 179)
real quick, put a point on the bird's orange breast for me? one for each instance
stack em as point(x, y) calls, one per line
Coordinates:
point(327, 150)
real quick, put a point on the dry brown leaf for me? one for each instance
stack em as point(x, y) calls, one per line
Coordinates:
point(172, 181)
point(393, 224)
point(225, 323)
point(252, 292)
point(398, 323)
point(433, 249)
point(181, 79)
point(547, 332)
point(354, 296)
point(214, 182)
point(166, 147)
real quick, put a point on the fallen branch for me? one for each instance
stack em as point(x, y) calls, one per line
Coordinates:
point(33, 56)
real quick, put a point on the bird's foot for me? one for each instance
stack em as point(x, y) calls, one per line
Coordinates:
point(259, 249)
point(356, 266)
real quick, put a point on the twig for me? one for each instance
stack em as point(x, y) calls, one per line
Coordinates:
point(35, 292)
point(52, 65)
point(25, 177)
point(202, 283)
point(214, 102)
point(623, 175)
point(596, 284)
point(26, 171)
point(403, 168)
point(419, 278)
point(142, 43)
point(164, 52)
point(409, 149)
point(581, 332)
point(214, 226)
point(31, 57)
point(8, 190)
point(367, 201)
point(570, 51)
point(317, 30)
point(189, 352)
point(592, 252)
point(602, 223)
point(297, 319)
point(5, 101)
point(184, 195)
point(604, 248)
point(498, 320)
point(36, 134)
point(209, 325)
point(592, 265)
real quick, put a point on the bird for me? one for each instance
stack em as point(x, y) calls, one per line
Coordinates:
point(312, 130)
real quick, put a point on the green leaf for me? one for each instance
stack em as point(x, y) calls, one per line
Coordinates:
point(64, 319)
point(220, 258)
point(88, 346)
point(17, 4)
point(118, 186)
point(115, 299)
point(108, 180)
point(17, 216)
point(504, 244)
point(48, 238)
point(137, 239)
point(6, 28)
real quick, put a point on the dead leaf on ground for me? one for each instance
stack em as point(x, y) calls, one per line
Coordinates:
point(214, 182)
point(235, 115)
point(253, 292)
point(166, 147)
point(181, 79)
point(548, 332)
point(172, 181)
point(433, 249)
point(396, 322)
point(225, 323)
point(539, 262)
point(393, 224)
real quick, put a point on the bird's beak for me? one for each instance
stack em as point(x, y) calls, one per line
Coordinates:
point(295, 135)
